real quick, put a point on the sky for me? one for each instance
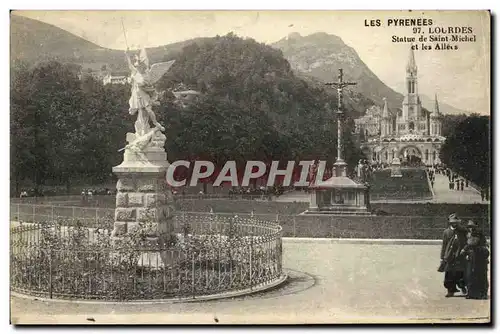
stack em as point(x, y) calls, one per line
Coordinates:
point(460, 77)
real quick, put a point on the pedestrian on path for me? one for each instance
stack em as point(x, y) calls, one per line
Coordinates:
point(476, 253)
point(462, 185)
point(452, 260)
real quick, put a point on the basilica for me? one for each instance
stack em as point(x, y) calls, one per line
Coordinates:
point(409, 133)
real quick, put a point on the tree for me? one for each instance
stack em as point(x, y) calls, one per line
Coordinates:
point(63, 129)
point(450, 122)
point(467, 149)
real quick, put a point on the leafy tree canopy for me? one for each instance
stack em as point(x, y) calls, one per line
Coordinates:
point(467, 149)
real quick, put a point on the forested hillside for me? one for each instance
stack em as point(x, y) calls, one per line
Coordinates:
point(253, 107)
point(250, 94)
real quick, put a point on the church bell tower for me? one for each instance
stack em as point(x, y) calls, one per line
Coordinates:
point(412, 109)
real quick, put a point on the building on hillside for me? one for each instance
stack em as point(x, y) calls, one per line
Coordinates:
point(410, 133)
point(95, 70)
point(368, 126)
point(185, 96)
point(116, 78)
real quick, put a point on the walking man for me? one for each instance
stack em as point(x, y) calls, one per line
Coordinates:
point(452, 261)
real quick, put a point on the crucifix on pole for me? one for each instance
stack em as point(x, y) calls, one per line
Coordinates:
point(340, 164)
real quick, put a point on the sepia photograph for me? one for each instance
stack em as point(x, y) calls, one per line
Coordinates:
point(250, 167)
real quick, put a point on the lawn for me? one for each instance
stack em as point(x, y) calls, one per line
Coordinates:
point(413, 185)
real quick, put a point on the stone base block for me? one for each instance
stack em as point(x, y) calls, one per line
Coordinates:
point(142, 199)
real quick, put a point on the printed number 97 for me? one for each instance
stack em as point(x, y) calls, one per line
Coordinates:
point(417, 30)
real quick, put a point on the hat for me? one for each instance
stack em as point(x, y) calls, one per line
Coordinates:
point(477, 234)
point(470, 223)
point(453, 218)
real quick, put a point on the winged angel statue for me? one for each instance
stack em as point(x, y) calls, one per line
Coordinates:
point(144, 95)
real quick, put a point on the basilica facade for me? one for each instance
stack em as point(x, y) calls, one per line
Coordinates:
point(409, 133)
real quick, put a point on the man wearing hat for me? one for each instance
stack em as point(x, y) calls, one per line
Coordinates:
point(452, 260)
point(471, 227)
point(477, 254)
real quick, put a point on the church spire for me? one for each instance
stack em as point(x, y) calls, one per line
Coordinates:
point(435, 112)
point(412, 65)
point(385, 111)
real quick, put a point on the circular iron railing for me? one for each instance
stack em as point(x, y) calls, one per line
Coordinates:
point(208, 255)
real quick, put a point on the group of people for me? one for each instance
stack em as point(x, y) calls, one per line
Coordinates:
point(364, 170)
point(240, 192)
point(432, 176)
point(485, 194)
point(457, 183)
point(464, 259)
point(89, 193)
point(35, 192)
point(440, 169)
point(260, 191)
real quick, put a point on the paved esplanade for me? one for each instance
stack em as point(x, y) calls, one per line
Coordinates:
point(332, 283)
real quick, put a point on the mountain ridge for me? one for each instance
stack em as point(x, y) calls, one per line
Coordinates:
point(320, 55)
point(33, 41)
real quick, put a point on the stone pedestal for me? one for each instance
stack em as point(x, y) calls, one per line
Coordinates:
point(340, 168)
point(339, 196)
point(396, 168)
point(142, 199)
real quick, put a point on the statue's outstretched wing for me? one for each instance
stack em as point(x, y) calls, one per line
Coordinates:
point(158, 70)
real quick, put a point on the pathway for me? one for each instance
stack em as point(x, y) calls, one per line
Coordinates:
point(442, 194)
point(331, 283)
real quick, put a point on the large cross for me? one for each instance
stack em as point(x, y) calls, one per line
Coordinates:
point(340, 165)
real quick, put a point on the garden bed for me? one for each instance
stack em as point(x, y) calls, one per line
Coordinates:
point(77, 262)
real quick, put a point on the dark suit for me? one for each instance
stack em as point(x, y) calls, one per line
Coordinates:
point(476, 274)
point(454, 241)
